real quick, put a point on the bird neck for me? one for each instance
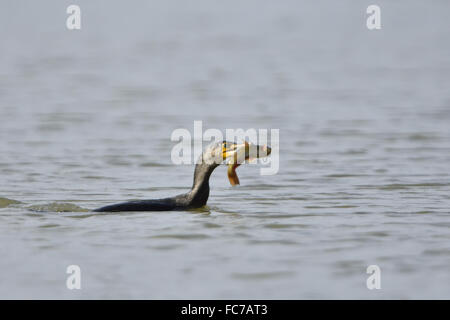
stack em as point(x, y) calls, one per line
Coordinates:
point(200, 189)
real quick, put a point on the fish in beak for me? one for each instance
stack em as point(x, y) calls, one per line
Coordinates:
point(241, 153)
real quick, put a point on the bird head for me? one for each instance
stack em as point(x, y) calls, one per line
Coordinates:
point(233, 154)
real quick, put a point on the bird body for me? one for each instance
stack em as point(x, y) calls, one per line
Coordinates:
point(199, 193)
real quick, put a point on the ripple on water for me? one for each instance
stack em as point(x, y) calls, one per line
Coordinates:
point(262, 215)
point(273, 242)
point(180, 236)
point(166, 247)
point(285, 226)
point(210, 225)
point(57, 207)
point(49, 225)
point(5, 202)
point(402, 186)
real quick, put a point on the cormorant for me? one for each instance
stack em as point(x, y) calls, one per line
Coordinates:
point(197, 197)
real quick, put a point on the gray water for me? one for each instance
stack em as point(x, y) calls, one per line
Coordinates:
point(364, 117)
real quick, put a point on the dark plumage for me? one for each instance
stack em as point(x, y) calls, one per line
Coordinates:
point(196, 197)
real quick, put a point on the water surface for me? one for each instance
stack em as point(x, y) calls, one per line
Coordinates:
point(86, 118)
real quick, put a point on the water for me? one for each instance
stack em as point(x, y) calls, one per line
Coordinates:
point(86, 118)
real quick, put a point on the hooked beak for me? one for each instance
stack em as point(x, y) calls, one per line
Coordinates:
point(229, 150)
